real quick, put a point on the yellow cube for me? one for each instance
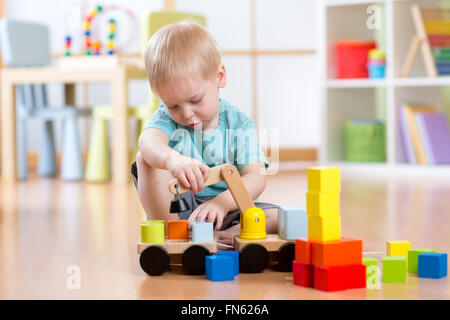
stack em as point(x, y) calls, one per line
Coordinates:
point(398, 248)
point(324, 179)
point(324, 229)
point(324, 204)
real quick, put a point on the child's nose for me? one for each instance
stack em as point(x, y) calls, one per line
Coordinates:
point(187, 112)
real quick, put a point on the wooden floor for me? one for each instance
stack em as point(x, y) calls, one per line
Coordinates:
point(47, 226)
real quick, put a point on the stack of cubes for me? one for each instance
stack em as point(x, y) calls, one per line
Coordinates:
point(327, 261)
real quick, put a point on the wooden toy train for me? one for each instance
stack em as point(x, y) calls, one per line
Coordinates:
point(256, 248)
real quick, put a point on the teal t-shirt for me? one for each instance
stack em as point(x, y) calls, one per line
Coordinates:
point(234, 141)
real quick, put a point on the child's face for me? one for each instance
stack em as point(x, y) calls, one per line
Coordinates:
point(194, 101)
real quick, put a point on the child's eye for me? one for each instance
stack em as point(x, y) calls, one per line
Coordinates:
point(196, 101)
point(173, 107)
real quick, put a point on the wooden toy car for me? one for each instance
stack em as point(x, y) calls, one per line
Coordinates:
point(257, 249)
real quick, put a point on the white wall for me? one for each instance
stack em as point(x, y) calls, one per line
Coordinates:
point(287, 85)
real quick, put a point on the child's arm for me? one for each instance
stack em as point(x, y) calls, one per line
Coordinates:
point(155, 150)
point(217, 208)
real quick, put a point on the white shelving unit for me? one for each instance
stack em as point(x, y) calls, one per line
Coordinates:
point(347, 99)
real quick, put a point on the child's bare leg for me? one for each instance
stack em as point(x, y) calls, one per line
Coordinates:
point(272, 220)
point(153, 190)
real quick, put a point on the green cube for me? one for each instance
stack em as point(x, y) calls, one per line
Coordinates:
point(394, 269)
point(371, 271)
point(413, 258)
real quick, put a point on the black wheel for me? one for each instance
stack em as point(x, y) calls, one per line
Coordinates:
point(286, 254)
point(193, 259)
point(154, 260)
point(253, 258)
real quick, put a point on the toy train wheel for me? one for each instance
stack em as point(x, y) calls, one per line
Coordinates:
point(254, 258)
point(286, 254)
point(193, 259)
point(154, 260)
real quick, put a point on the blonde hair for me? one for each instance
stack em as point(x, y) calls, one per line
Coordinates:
point(179, 50)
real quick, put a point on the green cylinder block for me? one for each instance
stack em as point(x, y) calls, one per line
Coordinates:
point(365, 141)
point(152, 231)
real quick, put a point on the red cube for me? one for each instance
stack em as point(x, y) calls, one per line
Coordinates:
point(303, 274)
point(356, 276)
point(330, 278)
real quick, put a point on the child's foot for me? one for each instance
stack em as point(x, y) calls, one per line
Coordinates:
point(226, 236)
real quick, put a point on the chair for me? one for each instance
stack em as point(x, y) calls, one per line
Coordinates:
point(25, 44)
point(98, 165)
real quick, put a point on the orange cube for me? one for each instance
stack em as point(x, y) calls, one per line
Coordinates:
point(303, 251)
point(347, 251)
point(177, 229)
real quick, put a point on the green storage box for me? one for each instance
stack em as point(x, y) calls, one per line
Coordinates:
point(365, 140)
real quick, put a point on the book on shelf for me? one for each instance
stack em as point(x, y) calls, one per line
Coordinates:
point(413, 147)
point(435, 136)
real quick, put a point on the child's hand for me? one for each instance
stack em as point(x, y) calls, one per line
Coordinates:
point(191, 173)
point(209, 211)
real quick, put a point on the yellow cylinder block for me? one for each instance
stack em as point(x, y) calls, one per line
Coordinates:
point(253, 224)
point(152, 231)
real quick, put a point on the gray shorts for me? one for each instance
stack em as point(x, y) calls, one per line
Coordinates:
point(193, 201)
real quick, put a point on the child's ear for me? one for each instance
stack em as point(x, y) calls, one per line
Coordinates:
point(221, 76)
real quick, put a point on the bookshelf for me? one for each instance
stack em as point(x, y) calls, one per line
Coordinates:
point(347, 99)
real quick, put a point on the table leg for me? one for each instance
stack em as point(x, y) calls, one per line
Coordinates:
point(69, 94)
point(120, 134)
point(8, 132)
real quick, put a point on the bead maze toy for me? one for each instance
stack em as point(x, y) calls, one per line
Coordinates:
point(92, 44)
point(253, 244)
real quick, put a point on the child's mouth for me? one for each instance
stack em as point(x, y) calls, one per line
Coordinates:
point(193, 125)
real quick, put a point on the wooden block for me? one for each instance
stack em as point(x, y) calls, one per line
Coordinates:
point(202, 232)
point(292, 222)
point(346, 251)
point(372, 271)
point(356, 276)
point(233, 254)
point(273, 242)
point(177, 229)
point(432, 265)
point(324, 179)
point(303, 251)
point(398, 249)
point(152, 232)
point(303, 274)
point(324, 229)
point(324, 204)
point(219, 268)
point(394, 269)
point(178, 246)
point(413, 258)
point(330, 278)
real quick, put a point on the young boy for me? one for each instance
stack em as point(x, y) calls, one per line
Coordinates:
point(194, 130)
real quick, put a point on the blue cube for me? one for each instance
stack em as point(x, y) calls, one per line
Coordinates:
point(234, 255)
point(432, 265)
point(202, 232)
point(219, 268)
point(292, 222)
